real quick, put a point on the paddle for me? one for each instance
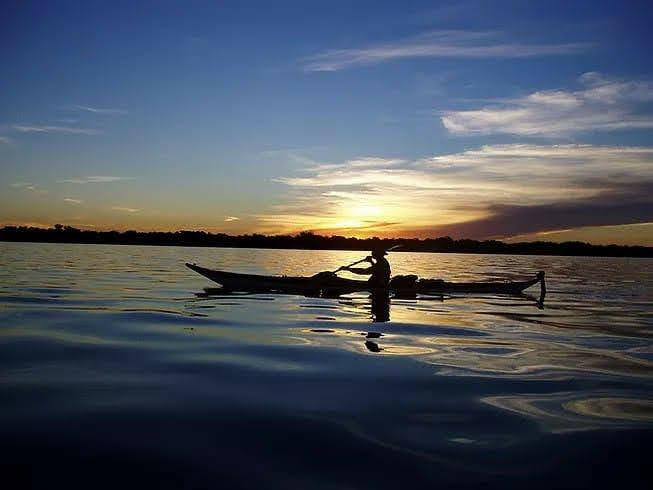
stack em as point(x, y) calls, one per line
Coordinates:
point(363, 260)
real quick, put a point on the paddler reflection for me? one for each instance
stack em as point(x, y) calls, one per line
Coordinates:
point(380, 305)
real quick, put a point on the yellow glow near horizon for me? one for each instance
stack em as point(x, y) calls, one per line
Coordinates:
point(357, 216)
point(471, 194)
point(632, 234)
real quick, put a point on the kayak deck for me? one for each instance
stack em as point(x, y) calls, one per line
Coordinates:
point(330, 284)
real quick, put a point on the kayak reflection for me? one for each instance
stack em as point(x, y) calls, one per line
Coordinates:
point(375, 306)
point(379, 299)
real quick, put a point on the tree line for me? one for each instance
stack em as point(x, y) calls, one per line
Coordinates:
point(311, 241)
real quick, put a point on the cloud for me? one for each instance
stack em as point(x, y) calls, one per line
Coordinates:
point(29, 186)
point(620, 234)
point(23, 128)
point(125, 209)
point(93, 179)
point(435, 44)
point(602, 104)
point(37, 189)
point(231, 218)
point(97, 110)
point(6, 140)
point(489, 191)
point(72, 201)
point(606, 209)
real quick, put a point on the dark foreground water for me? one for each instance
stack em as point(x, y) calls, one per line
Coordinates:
point(115, 373)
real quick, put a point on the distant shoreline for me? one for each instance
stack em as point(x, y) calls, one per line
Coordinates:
point(310, 241)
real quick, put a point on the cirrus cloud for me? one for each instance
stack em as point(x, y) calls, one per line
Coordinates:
point(29, 186)
point(99, 110)
point(435, 44)
point(31, 128)
point(125, 209)
point(94, 179)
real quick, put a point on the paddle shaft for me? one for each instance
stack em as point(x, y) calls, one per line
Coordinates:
point(351, 265)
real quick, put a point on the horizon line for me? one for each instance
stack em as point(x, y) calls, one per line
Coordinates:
point(298, 234)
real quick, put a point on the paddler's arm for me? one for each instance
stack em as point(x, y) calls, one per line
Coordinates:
point(363, 272)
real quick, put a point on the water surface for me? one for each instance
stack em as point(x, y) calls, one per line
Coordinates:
point(116, 369)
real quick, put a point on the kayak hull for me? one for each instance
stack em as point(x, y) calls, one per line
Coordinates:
point(330, 284)
point(233, 281)
point(435, 286)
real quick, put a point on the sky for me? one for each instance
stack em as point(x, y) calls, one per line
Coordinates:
point(474, 119)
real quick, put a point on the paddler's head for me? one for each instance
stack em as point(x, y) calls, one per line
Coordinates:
point(377, 253)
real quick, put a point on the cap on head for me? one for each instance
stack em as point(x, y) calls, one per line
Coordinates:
point(378, 252)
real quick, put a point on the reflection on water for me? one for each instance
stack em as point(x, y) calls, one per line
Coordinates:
point(562, 412)
point(117, 353)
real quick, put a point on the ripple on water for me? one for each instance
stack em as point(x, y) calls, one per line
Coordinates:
point(448, 380)
point(620, 409)
point(563, 412)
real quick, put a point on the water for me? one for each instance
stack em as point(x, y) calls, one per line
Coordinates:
point(115, 372)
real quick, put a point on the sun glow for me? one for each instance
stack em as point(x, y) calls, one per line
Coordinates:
point(357, 216)
point(366, 211)
point(475, 193)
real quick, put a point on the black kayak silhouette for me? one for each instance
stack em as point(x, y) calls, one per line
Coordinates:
point(328, 284)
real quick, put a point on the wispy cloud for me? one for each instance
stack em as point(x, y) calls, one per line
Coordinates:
point(29, 186)
point(6, 140)
point(98, 110)
point(435, 44)
point(25, 128)
point(231, 218)
point(72, 201)
point(602, 104)
point(484, 192)
point(94, 179)
point(125, 209)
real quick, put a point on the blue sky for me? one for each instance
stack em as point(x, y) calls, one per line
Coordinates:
point(485, 119)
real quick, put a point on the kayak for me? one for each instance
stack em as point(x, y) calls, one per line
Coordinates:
point(328, 284)
point(322, 282)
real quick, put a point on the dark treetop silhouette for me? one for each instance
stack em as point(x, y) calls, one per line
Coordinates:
point(310, 241)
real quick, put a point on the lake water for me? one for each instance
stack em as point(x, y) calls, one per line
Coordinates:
point(117, 371)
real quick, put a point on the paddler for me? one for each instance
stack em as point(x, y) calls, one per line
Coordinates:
point(379, 269)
